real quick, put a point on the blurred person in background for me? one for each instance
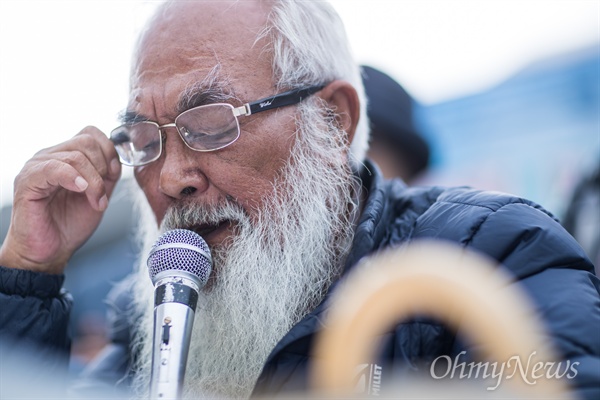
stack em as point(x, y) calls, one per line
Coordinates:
point(582, 217)
point(286, 200)
point(395, 144)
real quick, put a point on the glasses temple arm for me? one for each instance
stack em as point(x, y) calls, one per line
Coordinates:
point(279, 100)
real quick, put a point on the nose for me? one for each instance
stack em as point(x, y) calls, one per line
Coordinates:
point(181, 175)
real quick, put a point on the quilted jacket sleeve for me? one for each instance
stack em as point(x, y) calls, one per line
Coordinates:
point(34, 308)
point(548, 263)
point(34, 340)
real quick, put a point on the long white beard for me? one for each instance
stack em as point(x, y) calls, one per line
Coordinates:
point(274, 271)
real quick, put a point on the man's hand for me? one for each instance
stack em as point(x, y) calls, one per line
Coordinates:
point(59, 198)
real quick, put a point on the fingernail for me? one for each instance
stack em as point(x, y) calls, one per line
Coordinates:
point(103, 203)
point(114, 166)
point(81, 183)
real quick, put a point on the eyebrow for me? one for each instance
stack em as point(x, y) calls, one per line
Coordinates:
point(208, 91)
point(214, 88)
point(131, 117)
point(194, 96)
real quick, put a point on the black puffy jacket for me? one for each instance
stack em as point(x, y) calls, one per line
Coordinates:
point(523, 237)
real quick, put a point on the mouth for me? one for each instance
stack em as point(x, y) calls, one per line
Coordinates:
point(210, 232)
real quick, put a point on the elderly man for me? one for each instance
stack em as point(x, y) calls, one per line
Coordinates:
point(246, 124)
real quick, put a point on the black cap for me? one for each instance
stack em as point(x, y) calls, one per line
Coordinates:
point(390, 110)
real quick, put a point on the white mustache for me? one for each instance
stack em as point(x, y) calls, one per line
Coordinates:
point(190, 214)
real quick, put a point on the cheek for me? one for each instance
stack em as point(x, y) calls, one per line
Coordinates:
point(260, 166)
point(269, 141)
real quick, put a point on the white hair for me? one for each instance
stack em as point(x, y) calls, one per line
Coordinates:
point(310, 47)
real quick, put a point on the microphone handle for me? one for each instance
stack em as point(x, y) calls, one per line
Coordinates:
point(175, 300)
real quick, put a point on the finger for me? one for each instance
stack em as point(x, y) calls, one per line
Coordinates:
point(70, 170)
point(92, 173)
point(95, 146)
point(107, 148)
point(100, 152)
point(40, 180)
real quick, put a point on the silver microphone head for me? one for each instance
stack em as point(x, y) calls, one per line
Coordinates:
point(180, 250)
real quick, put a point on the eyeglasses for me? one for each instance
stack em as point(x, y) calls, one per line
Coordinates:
point(204, 128)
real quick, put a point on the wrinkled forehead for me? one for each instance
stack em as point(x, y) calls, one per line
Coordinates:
point(187, 39)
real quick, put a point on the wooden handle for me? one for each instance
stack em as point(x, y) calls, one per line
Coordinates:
point(457, 287)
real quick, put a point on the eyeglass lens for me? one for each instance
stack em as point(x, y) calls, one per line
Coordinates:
point(203, 128)
point(209, 127)
point(138, 143)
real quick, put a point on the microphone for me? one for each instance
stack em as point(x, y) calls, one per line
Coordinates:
point(179, 265)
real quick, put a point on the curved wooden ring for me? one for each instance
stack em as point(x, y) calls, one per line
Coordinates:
point(456, 286)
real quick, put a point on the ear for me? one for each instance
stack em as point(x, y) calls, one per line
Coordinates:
point(343, 100)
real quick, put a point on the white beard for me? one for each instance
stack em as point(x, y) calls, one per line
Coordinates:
point(275, 270)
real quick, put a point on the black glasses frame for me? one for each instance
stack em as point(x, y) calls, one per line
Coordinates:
point(288, 98)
